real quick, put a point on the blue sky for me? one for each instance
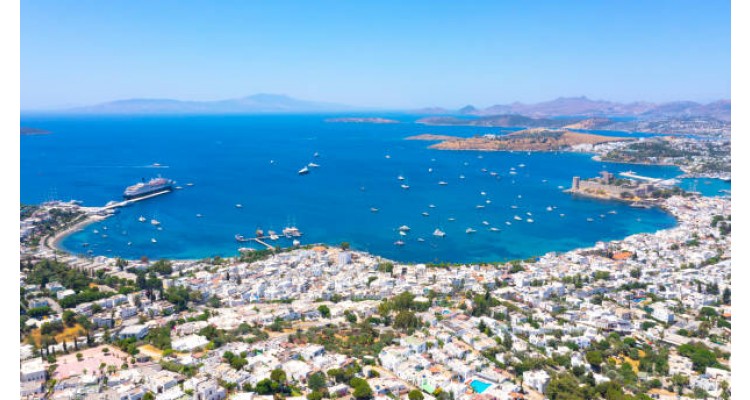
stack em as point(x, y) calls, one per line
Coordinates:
point(378, 54)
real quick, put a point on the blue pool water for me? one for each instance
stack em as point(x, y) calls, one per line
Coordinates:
point(479, 386)
point(229, 160)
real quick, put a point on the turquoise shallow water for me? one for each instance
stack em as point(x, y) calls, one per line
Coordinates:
point(228, 158)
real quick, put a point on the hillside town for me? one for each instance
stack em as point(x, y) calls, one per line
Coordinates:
point(646, 317)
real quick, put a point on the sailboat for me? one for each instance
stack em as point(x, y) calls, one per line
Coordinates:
point(142, 219)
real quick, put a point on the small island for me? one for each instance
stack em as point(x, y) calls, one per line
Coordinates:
point(368, 120)
point(33, 131)
point(525, 140)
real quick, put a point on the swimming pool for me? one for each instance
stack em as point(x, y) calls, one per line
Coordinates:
point(479, 386)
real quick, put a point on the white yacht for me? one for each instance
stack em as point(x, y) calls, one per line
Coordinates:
point(155, 222)
point(438, 233)
point(529, 220)
point(404, 228)
point(470, 230)
point(493, 229)
point(153, 240)
point(405, 187)
point(517, 218)
point(141, 219)
point(401, 177)
point(303, 171)
point(442, 183)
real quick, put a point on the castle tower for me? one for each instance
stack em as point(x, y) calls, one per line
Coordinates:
point(576, 183)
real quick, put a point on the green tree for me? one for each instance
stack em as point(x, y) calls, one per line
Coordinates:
point(317, 382)
point(406, 320)
point(564, 387)
point(416, 395)
point(325, 312)
point(595, 358)
point(362, 389)
point(278, 376)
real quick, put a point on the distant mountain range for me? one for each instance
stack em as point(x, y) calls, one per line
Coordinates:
point(583, 106)
point(259, 103)
point(563, 106)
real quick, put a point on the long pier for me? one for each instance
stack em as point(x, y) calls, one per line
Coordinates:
point(268, 246)
point(131, 201)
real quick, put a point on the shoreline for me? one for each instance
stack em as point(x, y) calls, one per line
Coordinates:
point(57, 237)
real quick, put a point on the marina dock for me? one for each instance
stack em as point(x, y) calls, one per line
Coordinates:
point(655, 181)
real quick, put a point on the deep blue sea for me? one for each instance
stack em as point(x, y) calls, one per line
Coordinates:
point(253, 161)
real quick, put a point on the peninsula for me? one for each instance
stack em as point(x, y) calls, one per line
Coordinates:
point(525, 140)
